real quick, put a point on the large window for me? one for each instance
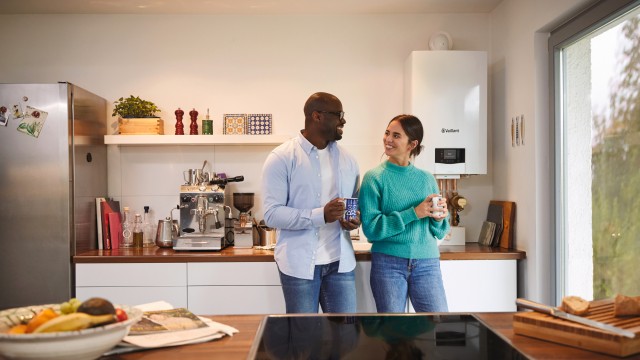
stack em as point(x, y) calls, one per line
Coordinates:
point(596, 109)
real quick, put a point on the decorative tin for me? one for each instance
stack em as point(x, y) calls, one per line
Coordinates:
point(234, 124)
point(259, 124)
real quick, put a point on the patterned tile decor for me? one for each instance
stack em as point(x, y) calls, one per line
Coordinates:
point(259, 124)
point(234, 124)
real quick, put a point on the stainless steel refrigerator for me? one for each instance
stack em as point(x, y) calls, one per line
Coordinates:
point(53, 164)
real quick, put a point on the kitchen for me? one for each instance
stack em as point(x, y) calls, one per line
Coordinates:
point(248, 62)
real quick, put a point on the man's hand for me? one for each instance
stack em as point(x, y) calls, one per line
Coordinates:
point(334, 210)
point(351, 224)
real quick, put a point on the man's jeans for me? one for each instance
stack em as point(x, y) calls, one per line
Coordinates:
point(334, 291)
point(392, 278)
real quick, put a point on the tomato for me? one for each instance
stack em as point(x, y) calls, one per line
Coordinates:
point(121, 315)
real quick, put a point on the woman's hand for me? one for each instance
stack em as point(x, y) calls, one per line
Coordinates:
point(426, 208)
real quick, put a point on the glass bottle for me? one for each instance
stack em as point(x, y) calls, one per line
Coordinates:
point(127, 227)
point(138, 234)
point(148, 239)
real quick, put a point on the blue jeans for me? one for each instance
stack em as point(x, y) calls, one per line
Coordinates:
point(392, 278)
point(334, 291)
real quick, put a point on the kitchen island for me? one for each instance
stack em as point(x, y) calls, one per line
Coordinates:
point(239, 345)
point(246, 281)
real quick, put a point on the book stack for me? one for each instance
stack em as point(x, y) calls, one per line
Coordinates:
point(109, 223)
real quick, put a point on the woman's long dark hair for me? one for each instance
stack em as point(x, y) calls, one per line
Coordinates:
point(413, 128)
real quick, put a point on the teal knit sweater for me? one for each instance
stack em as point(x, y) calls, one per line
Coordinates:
point(388, 194)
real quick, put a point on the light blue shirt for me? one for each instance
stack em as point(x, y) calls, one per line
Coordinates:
point(291, 184)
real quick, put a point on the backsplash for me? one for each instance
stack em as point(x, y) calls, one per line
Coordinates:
point(152, 175)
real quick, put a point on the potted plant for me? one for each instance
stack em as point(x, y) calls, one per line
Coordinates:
point(137, 116)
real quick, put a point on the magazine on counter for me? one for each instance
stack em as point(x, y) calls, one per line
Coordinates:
point(163, 326)
point(153, 322)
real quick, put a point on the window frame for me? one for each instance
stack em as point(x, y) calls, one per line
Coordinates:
point(585, 22)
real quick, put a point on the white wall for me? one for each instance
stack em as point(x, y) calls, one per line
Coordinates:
point(235, 64)
point(519, 76)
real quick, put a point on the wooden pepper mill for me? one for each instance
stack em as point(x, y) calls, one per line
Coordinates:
point(194, 122)
point(179, 125)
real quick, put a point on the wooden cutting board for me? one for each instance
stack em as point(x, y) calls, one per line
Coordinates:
point(547, 327)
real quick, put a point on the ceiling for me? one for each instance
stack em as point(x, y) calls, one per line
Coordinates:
point(256, 7)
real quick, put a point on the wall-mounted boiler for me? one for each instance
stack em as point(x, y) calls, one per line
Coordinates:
point(447, 91)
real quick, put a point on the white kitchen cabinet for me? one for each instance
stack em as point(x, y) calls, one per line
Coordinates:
point(235, 288)
point(364, 297)
point(254, 287)
point(220, 300)
point(470, 285)
point(176, 296)
point(133, 283)
point(480, 285)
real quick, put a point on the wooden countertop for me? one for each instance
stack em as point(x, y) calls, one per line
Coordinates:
point(238, 346)
point(471, 251)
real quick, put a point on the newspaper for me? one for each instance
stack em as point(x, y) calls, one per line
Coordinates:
point(163, 326)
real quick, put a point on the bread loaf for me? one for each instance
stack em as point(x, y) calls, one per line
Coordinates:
point(575, 305)
point(626, 305)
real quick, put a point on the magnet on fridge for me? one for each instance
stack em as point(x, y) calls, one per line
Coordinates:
point(4, 117)
point(33, 121)
point(16, 112)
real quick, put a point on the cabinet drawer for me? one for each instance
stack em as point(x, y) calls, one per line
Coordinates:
point(136, 274)
point(176, 296)
point(246, 273)
point(236, 300)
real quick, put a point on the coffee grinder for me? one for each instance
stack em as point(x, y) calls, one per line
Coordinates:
point(243, 225)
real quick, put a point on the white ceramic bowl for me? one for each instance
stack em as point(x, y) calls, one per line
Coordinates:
point(81, 344)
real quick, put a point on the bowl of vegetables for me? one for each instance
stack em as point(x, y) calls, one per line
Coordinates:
point(71, 330)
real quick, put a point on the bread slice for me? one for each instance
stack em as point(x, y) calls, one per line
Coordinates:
point(626, 305)
point(575, 305)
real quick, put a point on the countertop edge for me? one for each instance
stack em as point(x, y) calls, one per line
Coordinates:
point(162, 255)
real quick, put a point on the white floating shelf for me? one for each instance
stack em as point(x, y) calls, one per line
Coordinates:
point(195, 139)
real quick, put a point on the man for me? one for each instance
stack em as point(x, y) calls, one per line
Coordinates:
point(304, 182)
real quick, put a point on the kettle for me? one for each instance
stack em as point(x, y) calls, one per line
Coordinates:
point(167, 232)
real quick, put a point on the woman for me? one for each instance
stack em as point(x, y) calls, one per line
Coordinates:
point(398, 217)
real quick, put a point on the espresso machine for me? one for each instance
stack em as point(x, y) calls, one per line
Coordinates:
point(201, 209)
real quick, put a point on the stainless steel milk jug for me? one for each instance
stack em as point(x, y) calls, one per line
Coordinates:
point(164, 236)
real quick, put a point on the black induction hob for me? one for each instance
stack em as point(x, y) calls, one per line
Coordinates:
point(378, 336)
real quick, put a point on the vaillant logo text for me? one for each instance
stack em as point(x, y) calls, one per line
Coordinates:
point(450, 130)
